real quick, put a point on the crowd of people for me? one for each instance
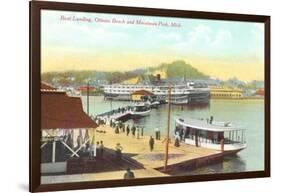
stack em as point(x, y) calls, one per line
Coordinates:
point(96, 150)
point(134, 131)
point(129, 130)
point(86, 149)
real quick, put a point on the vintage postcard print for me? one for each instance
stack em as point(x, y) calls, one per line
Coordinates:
point(127, 97)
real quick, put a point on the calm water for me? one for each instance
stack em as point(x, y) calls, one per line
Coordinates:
point(248, 114)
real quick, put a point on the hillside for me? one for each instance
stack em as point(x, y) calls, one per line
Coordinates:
point(166, 70)
point(178, 69)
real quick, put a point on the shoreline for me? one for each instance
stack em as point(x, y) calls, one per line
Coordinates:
point(238, 99)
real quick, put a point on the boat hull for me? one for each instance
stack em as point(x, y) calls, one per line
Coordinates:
point(185, 102)
point(232, 152)
point(134, 114)
point(228, 148)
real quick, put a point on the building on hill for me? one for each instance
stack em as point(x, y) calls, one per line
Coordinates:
point(84, 89)
point(134, 80)
point(225, 93)
point(260, 92)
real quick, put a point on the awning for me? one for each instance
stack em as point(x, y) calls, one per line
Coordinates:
point(58, 110)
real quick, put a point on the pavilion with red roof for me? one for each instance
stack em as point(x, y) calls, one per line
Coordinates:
point(61, 115)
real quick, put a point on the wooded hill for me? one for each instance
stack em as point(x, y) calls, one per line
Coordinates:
point(170, 70)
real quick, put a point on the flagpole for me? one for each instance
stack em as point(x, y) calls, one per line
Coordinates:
point(88, 85)
point(168, 129)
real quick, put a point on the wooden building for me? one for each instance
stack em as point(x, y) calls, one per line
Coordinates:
point(61, 117)
point(260, 92)
point(225, 93)
point(141, 95)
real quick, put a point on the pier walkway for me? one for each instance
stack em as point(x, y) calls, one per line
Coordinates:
point(122, 113)
point(184, 157)
point(139, 150)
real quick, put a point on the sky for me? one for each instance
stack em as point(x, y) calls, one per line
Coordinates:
point(95, 41)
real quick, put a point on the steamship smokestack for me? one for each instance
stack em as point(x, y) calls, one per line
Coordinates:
point(158, 77)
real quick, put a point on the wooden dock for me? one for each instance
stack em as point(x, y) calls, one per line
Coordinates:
point(183, 158)
point(138, 149)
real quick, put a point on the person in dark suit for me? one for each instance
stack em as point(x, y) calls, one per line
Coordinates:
point(98, 150)
point(151, 143)
point(129, 174)
point(118, 152)
point(128, 129)
point(133, 130)
point(101, 149)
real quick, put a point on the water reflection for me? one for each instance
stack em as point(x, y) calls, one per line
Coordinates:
point(191, 106)
point(231, 164)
